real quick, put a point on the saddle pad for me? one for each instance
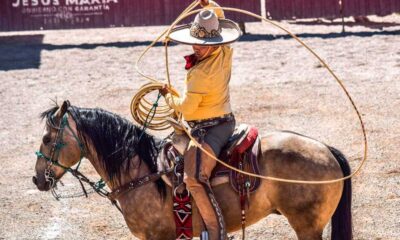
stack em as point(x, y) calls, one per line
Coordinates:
point(248, 151)
point(249, 164)
point(249, 140)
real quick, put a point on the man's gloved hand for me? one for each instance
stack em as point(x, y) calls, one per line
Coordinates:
point(204, 3)
point(164, 90)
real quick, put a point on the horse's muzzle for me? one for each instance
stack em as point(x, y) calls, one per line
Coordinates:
point(41, 185)
point(34, 180)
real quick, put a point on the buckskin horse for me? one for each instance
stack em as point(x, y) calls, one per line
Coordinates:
point(117, 149)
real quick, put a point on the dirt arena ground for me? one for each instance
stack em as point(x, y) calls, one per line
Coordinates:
point(275, 84)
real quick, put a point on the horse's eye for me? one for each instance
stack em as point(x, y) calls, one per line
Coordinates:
point(46, 139)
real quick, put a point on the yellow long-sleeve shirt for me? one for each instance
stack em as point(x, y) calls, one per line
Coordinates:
point(206, 93)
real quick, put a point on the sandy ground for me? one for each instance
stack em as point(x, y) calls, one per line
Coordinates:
point(275, 84)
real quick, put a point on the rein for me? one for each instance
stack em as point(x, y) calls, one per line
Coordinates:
point(114, 195)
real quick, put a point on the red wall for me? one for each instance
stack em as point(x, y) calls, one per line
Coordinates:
point(290, 9)
point(58, 14)
point(368, 7)
point(63, 14)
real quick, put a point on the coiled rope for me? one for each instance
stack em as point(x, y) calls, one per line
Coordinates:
point(151, 115)
point(188, 12)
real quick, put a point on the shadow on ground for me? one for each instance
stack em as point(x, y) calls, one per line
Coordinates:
point(20, 51)
point(23, 51)
point(259, 37)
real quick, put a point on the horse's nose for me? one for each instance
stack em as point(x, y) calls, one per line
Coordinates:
point(34, 180)
point(41, 183)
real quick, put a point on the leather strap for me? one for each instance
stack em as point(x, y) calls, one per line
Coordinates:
point(114, 195)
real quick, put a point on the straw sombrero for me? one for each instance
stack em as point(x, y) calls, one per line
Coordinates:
point(206, 29)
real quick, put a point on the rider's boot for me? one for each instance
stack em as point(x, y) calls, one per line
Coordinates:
point(197, 181)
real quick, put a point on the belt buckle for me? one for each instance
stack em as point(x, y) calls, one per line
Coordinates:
point(202, 133)
point(191, 124)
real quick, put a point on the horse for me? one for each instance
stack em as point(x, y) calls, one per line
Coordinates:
point(122, 152)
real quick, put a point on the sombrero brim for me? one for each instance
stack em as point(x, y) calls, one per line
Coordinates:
point(230, 32)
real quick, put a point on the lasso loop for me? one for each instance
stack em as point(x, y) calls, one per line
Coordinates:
point(187, 12)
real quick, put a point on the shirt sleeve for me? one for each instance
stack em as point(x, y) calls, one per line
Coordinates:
point(196, 88)
point(219, 12)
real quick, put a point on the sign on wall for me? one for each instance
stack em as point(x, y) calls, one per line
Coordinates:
point(50, 14)
point(55, 11)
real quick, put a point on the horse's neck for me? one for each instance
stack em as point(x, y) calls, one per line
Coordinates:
point(141, 207)
point(146, 209)
point(130, 169)
point(136, 170)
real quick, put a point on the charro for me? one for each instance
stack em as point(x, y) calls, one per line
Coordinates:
point(188, 12)
point(205, 105)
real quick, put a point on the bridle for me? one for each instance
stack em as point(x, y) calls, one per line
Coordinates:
point(57, 146)
point(98, 186)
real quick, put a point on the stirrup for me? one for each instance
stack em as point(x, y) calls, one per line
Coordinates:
point(204, 235)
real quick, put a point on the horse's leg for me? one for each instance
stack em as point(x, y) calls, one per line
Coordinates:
point(305, 226)
point(307, 207)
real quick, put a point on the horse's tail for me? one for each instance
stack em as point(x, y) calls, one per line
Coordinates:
point(342, 228)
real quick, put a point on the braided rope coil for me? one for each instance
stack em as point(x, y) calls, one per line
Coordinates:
point(141, 107)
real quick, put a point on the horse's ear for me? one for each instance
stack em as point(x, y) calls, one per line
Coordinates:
point(175, 124)
point(63, 109)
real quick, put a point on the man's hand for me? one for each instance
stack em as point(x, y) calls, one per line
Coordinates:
point(164, 90)
point(204, 3)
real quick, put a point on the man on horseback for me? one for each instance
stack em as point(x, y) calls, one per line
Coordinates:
point(205, 104)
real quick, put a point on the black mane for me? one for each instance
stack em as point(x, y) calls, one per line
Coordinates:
point(115, 139)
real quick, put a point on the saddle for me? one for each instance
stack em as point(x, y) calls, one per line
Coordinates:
point(240, 152)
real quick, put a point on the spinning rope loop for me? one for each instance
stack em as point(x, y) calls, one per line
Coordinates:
point(188, 12)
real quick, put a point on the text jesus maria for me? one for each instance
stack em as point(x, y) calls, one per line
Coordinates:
point(35, 3)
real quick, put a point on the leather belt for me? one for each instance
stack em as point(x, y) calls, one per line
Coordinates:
point(210, 122)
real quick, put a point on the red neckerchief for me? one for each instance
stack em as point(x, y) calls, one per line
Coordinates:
point(191, 60)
